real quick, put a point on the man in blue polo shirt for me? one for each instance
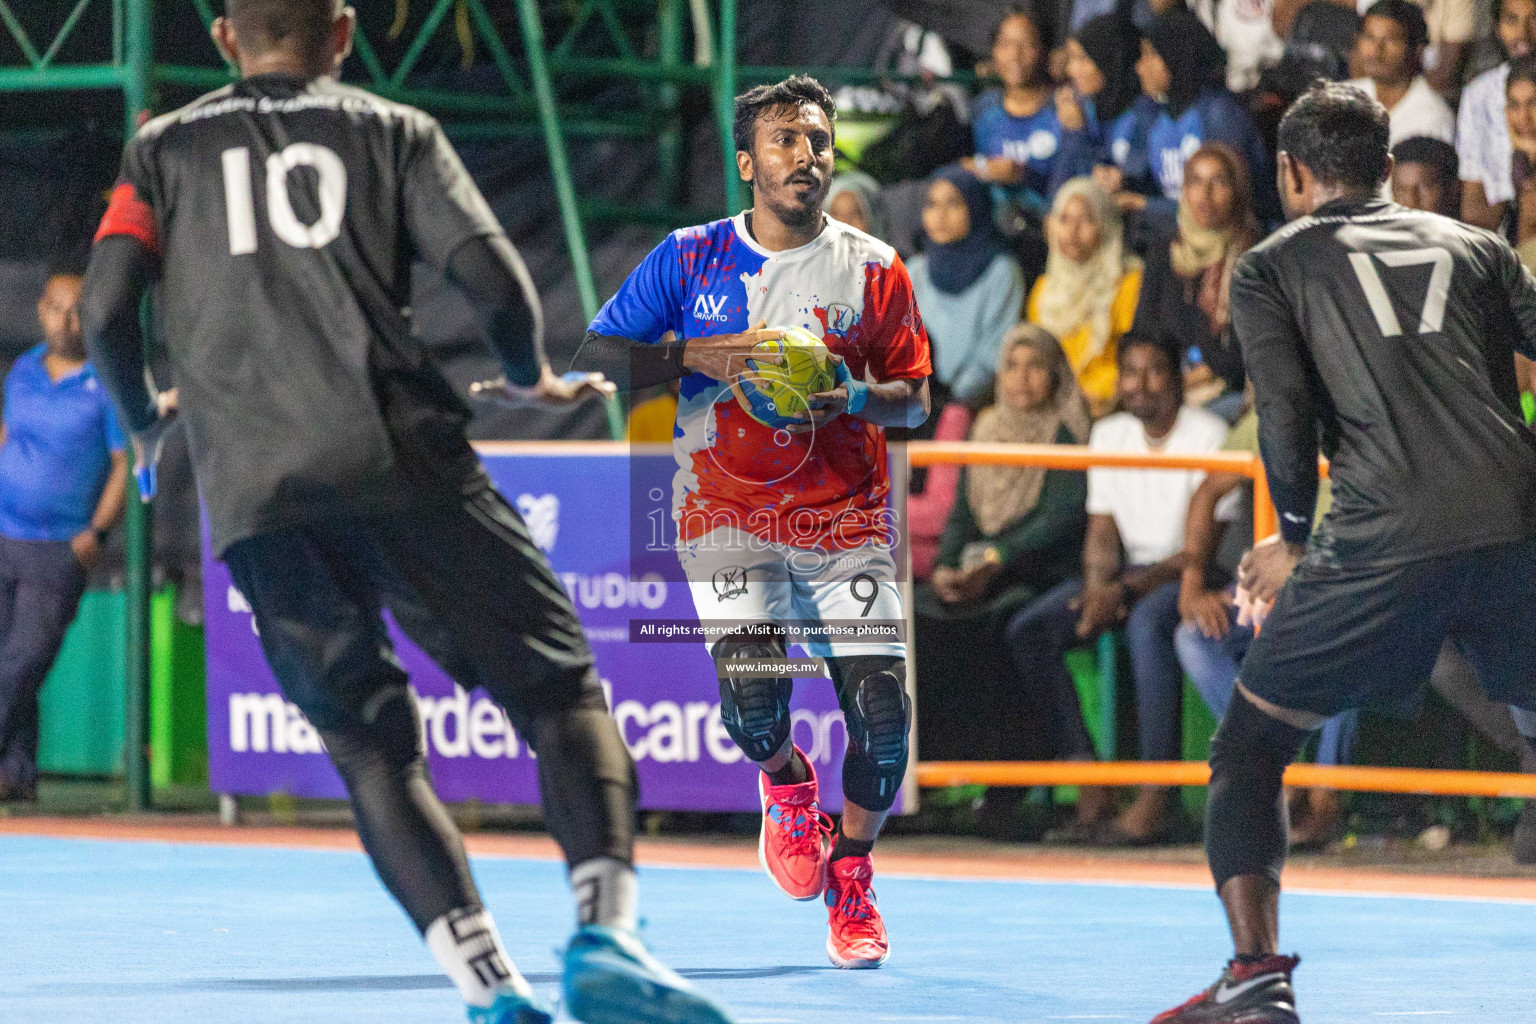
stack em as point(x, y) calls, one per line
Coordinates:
point(62, 472)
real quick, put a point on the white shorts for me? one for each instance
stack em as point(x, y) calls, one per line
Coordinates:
point(735, 576)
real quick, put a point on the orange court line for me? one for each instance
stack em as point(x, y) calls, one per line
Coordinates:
point(994, 863)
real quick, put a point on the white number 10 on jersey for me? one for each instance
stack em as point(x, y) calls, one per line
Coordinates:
point(240, 207)
point(1433, 316)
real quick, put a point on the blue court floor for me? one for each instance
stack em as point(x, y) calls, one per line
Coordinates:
point(149, 933)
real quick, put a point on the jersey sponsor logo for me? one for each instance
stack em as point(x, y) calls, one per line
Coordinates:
point(710, 307)
point(912, 320)
point(840, 319)
point(1226, 993)
point(730, 582)
point(1041, 145)
point(1173, 161)
point(542, 514)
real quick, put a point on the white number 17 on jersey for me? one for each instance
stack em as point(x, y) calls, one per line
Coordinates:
point(1433, 315)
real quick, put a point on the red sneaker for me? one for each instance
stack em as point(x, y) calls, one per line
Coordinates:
point(1257, 993)
point(857, 938)
point(792, 846)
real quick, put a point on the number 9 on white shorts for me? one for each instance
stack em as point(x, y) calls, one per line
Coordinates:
point(736, 577)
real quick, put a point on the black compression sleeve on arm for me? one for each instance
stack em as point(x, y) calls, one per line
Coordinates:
point(628, 363)
point(491, 275)
point(1284, 387)
point(119, 274)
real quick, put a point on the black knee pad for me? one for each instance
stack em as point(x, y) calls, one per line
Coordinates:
point(754, 709)
point(878, 713)
point(1246, 827)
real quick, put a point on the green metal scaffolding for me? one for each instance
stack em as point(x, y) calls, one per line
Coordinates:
point(636, 41)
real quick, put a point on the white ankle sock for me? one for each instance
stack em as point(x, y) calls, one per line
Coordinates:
point(607, 893)
point(466, 945)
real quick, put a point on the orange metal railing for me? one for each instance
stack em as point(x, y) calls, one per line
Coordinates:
point(1176, 773)
point(1062, 456)
point(1197, 773)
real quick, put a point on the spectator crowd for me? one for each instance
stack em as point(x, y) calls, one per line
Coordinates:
point(1073, 267)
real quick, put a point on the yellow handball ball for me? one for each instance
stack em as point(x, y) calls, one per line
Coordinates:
point(774, 393)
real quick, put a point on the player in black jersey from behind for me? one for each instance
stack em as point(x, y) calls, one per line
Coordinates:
point(281, 216)
point(1385, 338)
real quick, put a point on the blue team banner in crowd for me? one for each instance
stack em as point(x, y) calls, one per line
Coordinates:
point(577, 502)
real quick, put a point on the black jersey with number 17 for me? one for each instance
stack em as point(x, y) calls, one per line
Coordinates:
point(1386, 337)
point(287, 214)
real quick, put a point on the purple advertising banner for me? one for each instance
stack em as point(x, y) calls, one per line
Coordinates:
point(577, 502)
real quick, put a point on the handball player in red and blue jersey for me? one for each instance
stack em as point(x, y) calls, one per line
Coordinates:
point(790, 522)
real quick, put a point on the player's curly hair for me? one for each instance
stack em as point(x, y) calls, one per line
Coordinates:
point(794, 91)
point(1339, 134)
point(263, 24)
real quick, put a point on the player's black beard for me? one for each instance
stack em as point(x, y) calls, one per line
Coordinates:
point(797, 216)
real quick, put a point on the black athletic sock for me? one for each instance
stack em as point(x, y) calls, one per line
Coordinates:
point(843, 846)
point(1249, 959)
point(793, 773)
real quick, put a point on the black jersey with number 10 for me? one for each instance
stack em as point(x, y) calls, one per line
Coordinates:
point(1386, 337)
point(287, 215)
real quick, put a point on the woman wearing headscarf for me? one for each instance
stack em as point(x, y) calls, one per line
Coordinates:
point(1183, 71)
point(969, 289)
point(855, 199)
point(1019, 525)
point(1101, 70)
point(1087, 295)
point(1014, 533)
point(1185, 296)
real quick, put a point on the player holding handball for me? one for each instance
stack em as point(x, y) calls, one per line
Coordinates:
point(281, 216)
point(1385, 337)
point(782, 513)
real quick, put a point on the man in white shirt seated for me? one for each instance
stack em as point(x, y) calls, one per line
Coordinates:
point(1453, 26)
point(1482, 133)
point(1390, 53)
point(1132, 565)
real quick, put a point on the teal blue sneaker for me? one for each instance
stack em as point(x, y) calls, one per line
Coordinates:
point(611, 979)
point(509, 1008)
